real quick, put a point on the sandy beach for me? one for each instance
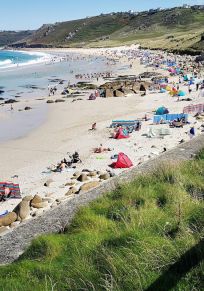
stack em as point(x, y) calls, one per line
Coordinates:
point(66, 129)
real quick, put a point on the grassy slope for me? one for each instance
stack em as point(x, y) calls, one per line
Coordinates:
point(8, 37)
point(176, 28)
point(126, 240)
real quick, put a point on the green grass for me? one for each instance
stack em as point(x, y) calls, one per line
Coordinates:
point(145, 235)
point(149, 30)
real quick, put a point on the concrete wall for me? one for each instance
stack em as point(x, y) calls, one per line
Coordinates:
point(14, 243)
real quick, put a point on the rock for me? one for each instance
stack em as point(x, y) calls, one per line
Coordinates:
point(90, 185)
point(59, 100)
point(77, 174)
point(71, 191)
point(128, 92)
point(14, 224)
point(10, 101)
point(82, 178)
point(40, 205)
point(27, 108)
point(36, 199)
point(27, 198)
point(70, 184)
point(118, 93)
point(4, 229)
point(135, 88)
point(86, 170)
point(8, 219)
point(142, 88)
point(104, 176)
point(101, 172)
point(109, 93)
point(50, 101)
point(48, 182)
point(22, 210)
point(92, 174)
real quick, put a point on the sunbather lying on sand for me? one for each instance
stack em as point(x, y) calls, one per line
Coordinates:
point(93, 127)
point(101, 149)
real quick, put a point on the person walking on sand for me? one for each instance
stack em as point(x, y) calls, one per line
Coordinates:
point(192, 132)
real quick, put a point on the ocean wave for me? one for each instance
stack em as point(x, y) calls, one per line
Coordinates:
point(42, 58)
point(6, 62)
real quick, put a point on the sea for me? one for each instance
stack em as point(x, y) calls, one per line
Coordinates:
point(12, 59)
point(29, 75)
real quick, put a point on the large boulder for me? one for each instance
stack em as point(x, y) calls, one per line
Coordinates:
point(22, 210)
point(109, 93)
point(128, 91)
point(90, 185)
point(83, 178)
point(40, 205)
point(36, 199)
point(8, 219)
point(118, 93)
point(71, 191)
point(104, 176)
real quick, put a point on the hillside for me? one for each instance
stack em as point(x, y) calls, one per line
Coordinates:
point(145, 235)
point(9, 37)
point(173, 29)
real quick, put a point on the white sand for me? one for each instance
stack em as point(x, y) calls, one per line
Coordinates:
point(67, 129)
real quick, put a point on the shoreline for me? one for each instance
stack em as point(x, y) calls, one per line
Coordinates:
point(67, 130)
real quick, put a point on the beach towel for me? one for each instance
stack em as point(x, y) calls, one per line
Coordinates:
point(14, 190)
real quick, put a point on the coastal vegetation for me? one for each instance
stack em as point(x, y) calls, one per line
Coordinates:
point(145, 235)
point(176, 29)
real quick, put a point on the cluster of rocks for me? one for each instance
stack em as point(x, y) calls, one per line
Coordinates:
point(27, 208)
point(86, 180)
point(55, 101)
point(33, 206)
point(123, 88)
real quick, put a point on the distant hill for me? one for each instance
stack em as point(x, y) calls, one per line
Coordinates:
point(9, 37)
point(172, 29)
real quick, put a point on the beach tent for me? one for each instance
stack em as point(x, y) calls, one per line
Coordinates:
point(162, 110)
point(168, 88)
point(123, 162)
point(162, 90)
point(181, 93)
point(122, 133)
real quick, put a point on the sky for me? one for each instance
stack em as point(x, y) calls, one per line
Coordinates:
point(31, 14)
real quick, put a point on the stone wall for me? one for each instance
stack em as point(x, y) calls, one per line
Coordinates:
point(14, 243)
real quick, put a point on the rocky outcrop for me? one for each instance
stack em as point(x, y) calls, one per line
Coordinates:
point(8, 219)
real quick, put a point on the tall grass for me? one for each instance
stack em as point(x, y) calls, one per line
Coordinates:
point(126, 240)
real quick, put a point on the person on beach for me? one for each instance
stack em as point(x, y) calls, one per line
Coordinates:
point(192, 132)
